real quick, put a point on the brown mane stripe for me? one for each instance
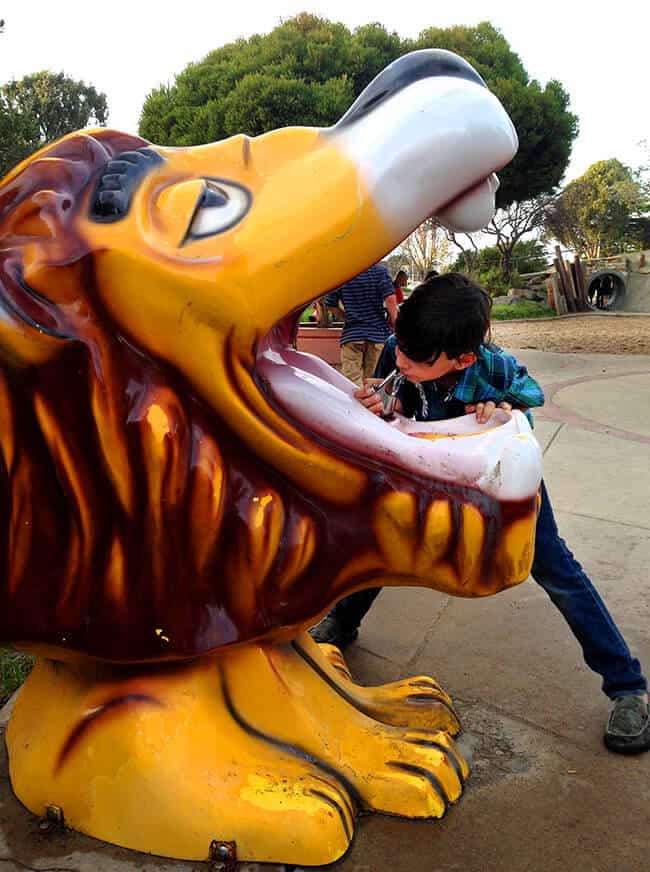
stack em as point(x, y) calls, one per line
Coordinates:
point(20, 315)
point(90, 720)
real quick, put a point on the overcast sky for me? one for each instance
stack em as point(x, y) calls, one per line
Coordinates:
point(599, 51)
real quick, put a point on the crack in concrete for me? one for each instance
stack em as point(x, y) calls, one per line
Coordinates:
point(604, 520)
point(427, 636)
point(553, 438)
point(378, 656)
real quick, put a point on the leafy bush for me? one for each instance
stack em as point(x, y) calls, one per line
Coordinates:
point(14, 669)
point(526, 309)
point(485, 265)
point(492, 279)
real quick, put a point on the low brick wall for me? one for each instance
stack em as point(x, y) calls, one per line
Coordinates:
point(321, 341)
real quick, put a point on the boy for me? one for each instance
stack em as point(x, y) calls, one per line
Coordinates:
point(438, 347)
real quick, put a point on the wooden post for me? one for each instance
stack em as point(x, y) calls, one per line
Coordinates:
point(550, 293)
point(564, 308)
point(562, 284)
point(567, 284)
point(575, 281)
point(580, 274)
point(558, 293)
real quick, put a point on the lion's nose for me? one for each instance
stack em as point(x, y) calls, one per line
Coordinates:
point(424, 64)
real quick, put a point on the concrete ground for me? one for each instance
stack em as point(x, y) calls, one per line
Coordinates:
point(544, 796)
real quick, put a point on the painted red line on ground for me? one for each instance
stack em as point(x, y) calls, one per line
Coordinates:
point(551, 411)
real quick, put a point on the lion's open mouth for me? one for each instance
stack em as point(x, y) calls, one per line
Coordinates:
point(495, 457)
point(501, 457)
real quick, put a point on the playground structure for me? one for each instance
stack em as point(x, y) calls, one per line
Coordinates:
point(572, 286)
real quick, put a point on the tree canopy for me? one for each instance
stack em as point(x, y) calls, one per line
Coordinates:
point(596, 211)
point(308, 70)
point(40, 108)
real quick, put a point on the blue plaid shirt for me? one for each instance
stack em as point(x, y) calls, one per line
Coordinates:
point(495, 375)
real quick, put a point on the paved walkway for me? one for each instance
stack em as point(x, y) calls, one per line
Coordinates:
point(544, 796)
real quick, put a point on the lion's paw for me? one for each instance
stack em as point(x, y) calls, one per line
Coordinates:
point(420, 773)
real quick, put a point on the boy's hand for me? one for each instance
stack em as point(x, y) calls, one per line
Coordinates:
point(484, 411)
point(371, 401)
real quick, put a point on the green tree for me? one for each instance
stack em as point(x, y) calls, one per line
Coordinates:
point(595, 212)
point(40, 108)
point(530, 256)
point(259, 102)
point(302, 72)
point(309, 70)
point(18, 138)
point(372, 48)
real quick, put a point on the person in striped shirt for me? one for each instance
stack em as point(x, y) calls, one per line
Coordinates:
point(450, 369)
point(370, 312)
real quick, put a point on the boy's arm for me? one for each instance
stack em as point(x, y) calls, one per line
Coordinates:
point(500, 379)
point(523, 392)
point(503, 379)
point(385, 365)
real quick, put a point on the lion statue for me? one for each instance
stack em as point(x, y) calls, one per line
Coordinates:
point(183, 493)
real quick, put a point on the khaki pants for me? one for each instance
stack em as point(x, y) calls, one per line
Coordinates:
point(359, 359)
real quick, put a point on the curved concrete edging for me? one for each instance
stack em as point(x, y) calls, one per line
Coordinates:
point(552, 411)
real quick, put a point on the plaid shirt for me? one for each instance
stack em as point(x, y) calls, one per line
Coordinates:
point(495, 376)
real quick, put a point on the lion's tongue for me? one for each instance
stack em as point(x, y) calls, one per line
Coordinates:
point(320, 398)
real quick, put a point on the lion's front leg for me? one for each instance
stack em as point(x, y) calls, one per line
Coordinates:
point(412, 702)
point(399, 768)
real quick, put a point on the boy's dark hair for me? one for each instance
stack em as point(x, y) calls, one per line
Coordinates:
point(448, 313)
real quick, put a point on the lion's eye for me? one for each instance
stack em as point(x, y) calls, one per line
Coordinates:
point(220, 206)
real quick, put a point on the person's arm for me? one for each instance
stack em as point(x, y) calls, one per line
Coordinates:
point(511, 382)
point(503, 383)
point(390, 302)
point(388, 295)
point(333, 302)
point(524, 392)
point(385, 365)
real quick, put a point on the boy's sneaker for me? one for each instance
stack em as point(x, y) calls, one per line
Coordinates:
point(332, 631)
point(628, 727)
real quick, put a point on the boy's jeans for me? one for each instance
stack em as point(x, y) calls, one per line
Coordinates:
point(559, 573)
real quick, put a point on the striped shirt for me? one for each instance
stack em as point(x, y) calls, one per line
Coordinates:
point(495, 375)
point(363, 298)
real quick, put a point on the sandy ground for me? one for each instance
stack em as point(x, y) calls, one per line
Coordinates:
point(594, 334)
